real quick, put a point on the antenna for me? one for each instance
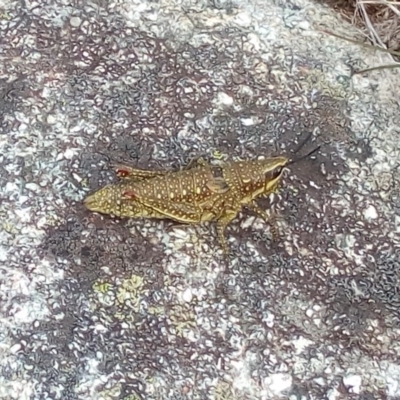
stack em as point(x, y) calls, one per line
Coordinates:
point(305, 156)
point(301, 144)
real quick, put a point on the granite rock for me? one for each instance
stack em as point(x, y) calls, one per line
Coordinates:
point(93, 307)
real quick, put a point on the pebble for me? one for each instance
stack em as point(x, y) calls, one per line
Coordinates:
point(353, 383)
point(51, 119)
point(370, 213)
point(187, 295)
point(225, 99)
point(320, 381)
point(32, 186)
point(69, 153)
point(15, 348)
point(247, 121)
point(75, 22)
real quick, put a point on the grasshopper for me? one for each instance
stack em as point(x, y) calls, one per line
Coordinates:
point(201, 192)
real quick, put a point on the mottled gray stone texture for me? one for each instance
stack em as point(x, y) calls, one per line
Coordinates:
point(94, 307)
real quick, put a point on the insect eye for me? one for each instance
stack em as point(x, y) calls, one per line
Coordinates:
point(278, 171)
point(275, 173)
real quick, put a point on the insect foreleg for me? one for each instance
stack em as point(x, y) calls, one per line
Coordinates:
point(269, 219)
point(196, 162)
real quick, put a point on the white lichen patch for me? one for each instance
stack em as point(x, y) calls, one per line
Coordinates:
point(370, 213)
point(353, 383)
point(301, 343)
point(277, 383)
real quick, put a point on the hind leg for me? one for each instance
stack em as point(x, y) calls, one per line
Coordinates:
point(126, 172)
point(222, 223)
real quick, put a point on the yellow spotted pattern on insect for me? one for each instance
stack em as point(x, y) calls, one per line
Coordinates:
point(193, 195)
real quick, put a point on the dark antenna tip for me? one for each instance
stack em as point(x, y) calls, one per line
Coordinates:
point(301, 144)
point(305, 156)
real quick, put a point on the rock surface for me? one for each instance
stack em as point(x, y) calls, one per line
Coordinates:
point(98, 308)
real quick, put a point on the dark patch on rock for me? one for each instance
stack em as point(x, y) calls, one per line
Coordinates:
point(370, 396)
point(12, 92)
point(360, 150)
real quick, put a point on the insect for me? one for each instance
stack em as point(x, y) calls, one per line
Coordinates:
point(201, 192)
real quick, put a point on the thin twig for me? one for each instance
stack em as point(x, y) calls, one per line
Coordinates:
point(389, 66)
point(378, 2)
point(394, 9)
point(389, 4)
point(370, 26)
point(366, 45)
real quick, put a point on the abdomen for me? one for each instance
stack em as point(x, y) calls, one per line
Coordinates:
point(182, 187)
